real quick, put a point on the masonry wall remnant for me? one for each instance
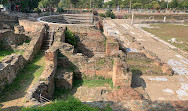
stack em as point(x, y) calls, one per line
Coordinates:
point(9, 68)
point(9, 40)
point(142, 53)
point(12, 64)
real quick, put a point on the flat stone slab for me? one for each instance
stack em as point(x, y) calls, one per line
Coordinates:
point(166, 88)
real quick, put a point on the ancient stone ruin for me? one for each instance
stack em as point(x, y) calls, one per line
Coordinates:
point(96, 54)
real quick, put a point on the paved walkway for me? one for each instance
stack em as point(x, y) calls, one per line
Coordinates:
point(161, 48)
point(169, 88)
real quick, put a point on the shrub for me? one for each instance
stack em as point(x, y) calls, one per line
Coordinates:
point(70, 38)
point(37, 10)
point(109, 13)
point(102, 15)
point(60, 10)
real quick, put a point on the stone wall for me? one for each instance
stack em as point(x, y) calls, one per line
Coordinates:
point(35, 44)
point(10, 65)
point(31, 26)
point(9, 68)
point(82, 65)
point(90, 40)
point(143, 54)
point(7, 21)
point(45, 86)
point(112, 46)
point(121, 77)
point(9, 40)
point(136, 56)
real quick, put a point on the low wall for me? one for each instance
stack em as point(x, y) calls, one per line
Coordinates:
point(136, 56)
point(31, 26)
point(35, 44)
point(10, 65)
point(45, 86)
point(121, 77)
point(9, 68)
point(9, 40)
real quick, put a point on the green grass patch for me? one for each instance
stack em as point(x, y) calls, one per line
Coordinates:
point(4, 53)
point(70, 38)
point(169, 31)
point(70, 104)
point(30, 73)
point(93, 82)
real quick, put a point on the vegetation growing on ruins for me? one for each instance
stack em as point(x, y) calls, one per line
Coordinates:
point(93, 82)
point(70, 38)
point(70, 104)
point(143, 67)
point(29, 74)
point(110, 14)
point(169, 31)
point(4, 53)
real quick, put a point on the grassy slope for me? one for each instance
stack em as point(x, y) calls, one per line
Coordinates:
point(30, 73)
point(168, 31)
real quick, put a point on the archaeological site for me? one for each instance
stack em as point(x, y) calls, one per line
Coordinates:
point(96, 63)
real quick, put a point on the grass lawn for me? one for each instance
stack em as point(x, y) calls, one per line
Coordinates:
point(4, 53)
point(30, 73)
point(70, 104)
point(93, 82)
point(169, 31)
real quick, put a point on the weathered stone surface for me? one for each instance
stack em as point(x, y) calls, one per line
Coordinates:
point(9, 40)
point(112, 46)
point(167, 69)
point(123, 94)
point(45, 86)
point(64, 79)
point(9, 68)
point(35, 44)
point(121, 77)
point(136, 56)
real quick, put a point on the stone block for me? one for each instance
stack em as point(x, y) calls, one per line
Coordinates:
point(64, 79)
point(112, 46)
point(121, 77)
point(167, 69)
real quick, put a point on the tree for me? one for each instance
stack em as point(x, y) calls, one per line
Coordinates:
point(173, 4)
point(163, 5)
point(109, 13)
point(137, 5)
point(185, 4)
point(155, 5)
point(44, 4)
